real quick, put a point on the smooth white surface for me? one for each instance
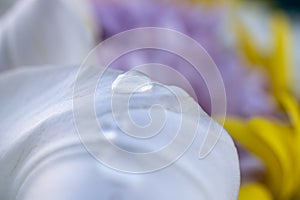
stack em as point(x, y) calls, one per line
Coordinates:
point(41, 156)
point(38, 32)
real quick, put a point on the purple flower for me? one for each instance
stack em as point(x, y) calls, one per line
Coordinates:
point(247, 90)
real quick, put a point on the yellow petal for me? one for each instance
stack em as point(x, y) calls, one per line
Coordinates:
point(254, 191)
point(248, 45)
point(273, 144)
point(281, 60)
point(277, 60)
point(290, 105)
point(278, 138)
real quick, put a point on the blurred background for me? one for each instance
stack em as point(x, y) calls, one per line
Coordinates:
point(256, 47)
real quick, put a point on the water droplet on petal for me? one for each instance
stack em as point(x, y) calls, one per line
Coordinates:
point(132, 82)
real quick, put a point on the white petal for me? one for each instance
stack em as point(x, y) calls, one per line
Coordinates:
point(42, 158)
point(295, 67)
point(38, 32)
point(5, 5)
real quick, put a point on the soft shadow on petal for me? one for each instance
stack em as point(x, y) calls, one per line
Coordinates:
point(43, 154)
point(38, 32)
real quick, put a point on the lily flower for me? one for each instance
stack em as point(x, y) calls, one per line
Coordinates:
point(41, 153)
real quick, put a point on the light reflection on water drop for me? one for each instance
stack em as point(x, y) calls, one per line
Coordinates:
point(132, 81)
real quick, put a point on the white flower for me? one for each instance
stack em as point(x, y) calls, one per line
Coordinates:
point(38, 32)
point(41, 155)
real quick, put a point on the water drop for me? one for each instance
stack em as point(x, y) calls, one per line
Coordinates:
point(132, 82)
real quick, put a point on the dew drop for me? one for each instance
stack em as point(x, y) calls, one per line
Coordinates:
point(132, 82)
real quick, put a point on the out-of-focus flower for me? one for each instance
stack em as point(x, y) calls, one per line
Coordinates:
point(277, 144)
point(247, 90)
point(266, 39)
point(269, 39)
point(37, 32)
